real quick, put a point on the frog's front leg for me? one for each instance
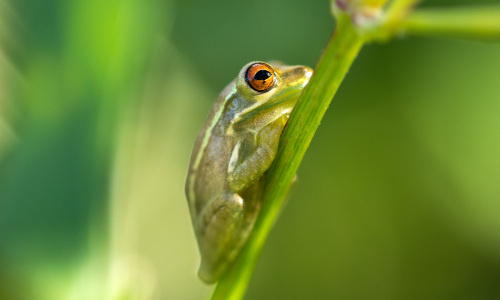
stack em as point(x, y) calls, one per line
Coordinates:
point(252, 157)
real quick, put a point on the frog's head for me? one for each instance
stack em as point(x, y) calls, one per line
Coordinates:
point(268, 91)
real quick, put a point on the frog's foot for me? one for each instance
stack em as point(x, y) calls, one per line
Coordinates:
point(222, 234)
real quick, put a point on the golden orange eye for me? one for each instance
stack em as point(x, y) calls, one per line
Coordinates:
point(260, 77)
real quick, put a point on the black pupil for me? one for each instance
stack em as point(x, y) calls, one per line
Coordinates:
point(262, 75)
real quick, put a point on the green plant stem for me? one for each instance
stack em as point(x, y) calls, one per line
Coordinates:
point(398, 10)
point(464, 22)
point(331, 69)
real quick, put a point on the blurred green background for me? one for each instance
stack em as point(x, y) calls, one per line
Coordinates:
point(100, 101)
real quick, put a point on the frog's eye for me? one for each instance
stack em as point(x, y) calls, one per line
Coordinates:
point(260, 77)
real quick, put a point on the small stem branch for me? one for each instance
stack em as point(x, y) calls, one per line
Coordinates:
point(465, 22)
point(340, 53)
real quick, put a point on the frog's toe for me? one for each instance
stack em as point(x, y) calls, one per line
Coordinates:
point(207, 274)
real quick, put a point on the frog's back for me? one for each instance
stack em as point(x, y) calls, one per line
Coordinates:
point(207, 175)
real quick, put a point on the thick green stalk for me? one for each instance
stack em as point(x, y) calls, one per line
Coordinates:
point(465, 22)
point(339, 55)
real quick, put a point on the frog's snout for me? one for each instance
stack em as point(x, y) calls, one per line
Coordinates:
point(308, 72)
point(302, 74)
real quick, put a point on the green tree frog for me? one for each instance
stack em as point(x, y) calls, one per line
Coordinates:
point(233, 150)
